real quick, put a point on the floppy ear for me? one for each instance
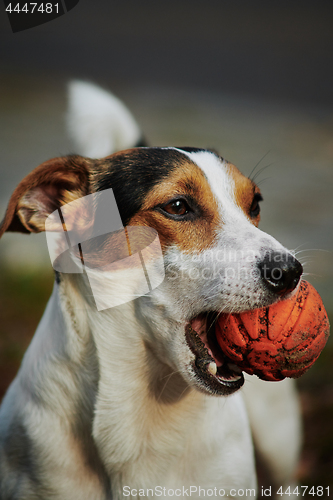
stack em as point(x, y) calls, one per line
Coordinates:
point(45, 189)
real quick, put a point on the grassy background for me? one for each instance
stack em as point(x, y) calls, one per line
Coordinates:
point(23, 297)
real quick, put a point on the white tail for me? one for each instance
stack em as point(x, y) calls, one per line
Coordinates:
point(98, 122)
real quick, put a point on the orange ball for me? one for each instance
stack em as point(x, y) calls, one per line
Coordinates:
point(279, 341)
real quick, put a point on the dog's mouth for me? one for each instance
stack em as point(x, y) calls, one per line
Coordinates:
point(214, 371)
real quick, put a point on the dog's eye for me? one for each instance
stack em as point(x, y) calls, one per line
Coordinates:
point(177, 207)
point(180, 209)
point(255, 207)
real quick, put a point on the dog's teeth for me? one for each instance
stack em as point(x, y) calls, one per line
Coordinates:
point(212, 368)
point(234, 368)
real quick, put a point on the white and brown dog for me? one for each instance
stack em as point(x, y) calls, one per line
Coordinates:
point(129, 401)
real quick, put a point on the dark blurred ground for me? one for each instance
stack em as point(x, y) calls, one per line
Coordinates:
point(251, 79)
point(280, 49)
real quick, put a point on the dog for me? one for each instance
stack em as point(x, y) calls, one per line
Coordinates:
point(128, 401)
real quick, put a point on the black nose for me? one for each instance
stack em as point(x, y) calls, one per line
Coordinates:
point(280, 272)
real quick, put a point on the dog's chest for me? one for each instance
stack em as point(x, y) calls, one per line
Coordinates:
point(208, 445)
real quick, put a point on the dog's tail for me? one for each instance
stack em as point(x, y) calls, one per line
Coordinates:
point(98, 122)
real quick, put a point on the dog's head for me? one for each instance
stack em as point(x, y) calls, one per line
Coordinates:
point(216, 259)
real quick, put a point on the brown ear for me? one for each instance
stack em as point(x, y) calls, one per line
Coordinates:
point(45, 189)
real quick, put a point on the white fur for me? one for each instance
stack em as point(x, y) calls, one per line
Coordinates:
point(274, 413)
point(143, 440)
point(98, 122)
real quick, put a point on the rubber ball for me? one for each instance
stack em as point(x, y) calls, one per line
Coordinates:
point(283, 340)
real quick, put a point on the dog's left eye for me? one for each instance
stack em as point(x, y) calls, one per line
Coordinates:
point(177, 207)
point(255, 207)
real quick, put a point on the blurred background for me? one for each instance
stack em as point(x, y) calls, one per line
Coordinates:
point(254, 80)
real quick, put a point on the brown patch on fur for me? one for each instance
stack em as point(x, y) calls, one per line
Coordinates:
point(115, 248)
point(189, 235)
point(46, 188)
point(105, 250)
point(245, 190)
